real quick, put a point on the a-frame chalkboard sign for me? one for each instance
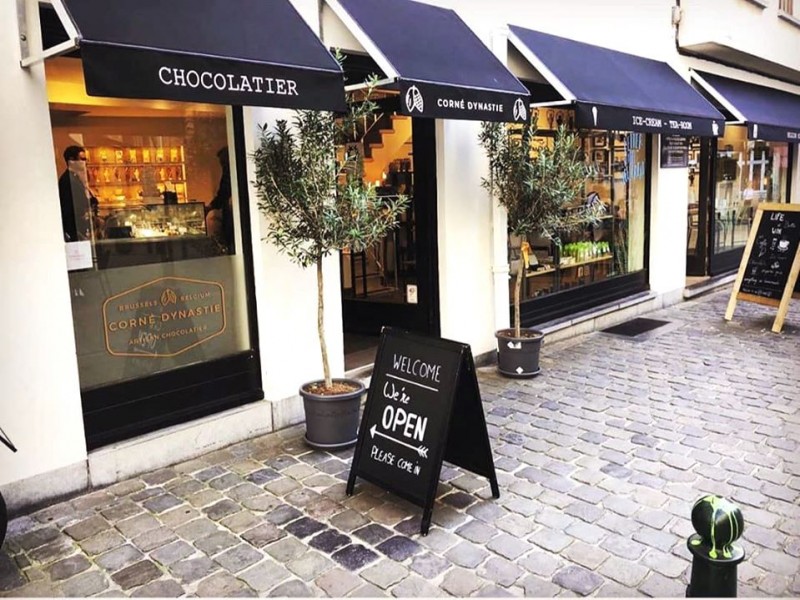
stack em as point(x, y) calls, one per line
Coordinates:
point(423, 407)
point(768, 273)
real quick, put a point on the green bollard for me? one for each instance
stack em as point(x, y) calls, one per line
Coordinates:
point(718, 524)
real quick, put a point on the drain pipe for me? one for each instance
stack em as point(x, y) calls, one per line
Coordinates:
point(677, 13)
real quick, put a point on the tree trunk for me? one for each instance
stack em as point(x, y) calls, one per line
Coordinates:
point(326, 369)
point(517, 290)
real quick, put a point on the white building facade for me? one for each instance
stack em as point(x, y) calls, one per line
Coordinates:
point(240, 366)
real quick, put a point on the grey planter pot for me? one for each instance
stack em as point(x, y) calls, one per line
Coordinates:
point(518, 357)
point(332, 421)
point(3, 520)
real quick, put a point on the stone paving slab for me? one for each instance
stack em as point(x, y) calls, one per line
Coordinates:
point(599, 461)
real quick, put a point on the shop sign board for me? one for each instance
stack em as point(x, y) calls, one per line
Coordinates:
point(164, 317)
point(161, 75)
point(768, 273)
point(436, 101)
point(594, 116)
point(674, 152)
point(772, 133)
point(423, 407)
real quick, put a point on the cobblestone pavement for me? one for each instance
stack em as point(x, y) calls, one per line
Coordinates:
point(599, 461)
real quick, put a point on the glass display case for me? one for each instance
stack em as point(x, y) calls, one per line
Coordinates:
point(154, 221)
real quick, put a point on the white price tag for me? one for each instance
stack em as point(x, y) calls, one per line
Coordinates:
point(79, 255)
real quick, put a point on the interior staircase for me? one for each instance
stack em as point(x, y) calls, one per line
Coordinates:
point(385, 140)
point(388, 140)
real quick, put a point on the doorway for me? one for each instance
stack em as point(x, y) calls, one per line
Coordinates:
point(395, 282)
point(699, 191)
point(728, 179)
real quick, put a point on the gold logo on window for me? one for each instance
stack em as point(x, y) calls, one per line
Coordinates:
point(163, 317)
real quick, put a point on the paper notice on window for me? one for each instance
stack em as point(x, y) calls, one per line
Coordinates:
point(79, 255)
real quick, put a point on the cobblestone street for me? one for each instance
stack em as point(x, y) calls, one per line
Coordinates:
point(599, 461)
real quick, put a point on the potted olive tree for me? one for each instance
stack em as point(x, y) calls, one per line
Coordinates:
point(309, 179)
point(541, 193)
point(5, 441)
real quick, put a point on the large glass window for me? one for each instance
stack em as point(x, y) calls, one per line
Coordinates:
point(747, 172)
point(613, 248)
point(151, 224)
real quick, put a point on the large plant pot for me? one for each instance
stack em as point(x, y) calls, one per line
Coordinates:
point(332, 420)
point(3, 520)
point(518, 356)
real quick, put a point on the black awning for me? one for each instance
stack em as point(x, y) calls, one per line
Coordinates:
point(770, 114)
point(615, 90)
point(239, 52)
point(442, 68)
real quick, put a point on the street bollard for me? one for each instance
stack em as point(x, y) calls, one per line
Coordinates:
point(718, 524)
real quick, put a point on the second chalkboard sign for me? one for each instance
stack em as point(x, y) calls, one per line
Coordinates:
point(768, 273)
point(423, 407)
point(771, 258)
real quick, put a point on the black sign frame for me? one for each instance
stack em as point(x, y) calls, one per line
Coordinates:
point(600, 116)
point(442, 101)
point(674, 152)
point(159, 75)
point(770, 268)
point(461, 436)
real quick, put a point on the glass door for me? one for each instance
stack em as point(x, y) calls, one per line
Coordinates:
point(395, 283)
point(698, 207)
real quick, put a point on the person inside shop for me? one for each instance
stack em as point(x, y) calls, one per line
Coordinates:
point(219, 215)
point(79, 207)
point(728, 168)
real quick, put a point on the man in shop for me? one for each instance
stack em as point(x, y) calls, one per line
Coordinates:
point(78, 204)
point(219, 219)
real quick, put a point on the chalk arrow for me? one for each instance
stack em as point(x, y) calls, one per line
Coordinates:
point(422, 450)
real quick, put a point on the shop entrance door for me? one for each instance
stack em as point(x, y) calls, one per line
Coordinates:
point(395, 283)
point(699, 189)
point(731, 177)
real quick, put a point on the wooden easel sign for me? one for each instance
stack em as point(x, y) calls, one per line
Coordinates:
point(423, 407)
point(770, 265)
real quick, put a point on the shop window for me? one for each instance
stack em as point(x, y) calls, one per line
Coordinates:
point(614, 247)
point(748, 172)
point(790, 7)
point(151, 222)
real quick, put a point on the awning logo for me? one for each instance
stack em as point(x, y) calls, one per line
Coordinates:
point(714, 128)
point(520, 111)
point(414, 100)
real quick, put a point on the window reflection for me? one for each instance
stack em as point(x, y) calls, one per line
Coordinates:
point(748, 172)
point(611, 249)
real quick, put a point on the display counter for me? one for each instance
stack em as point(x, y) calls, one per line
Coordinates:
point(112, 254)
point(152, 221)
point(146, 234)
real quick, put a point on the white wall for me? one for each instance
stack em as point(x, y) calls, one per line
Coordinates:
point(464, 237)
point(286, 295)
point(286, 300)
point(40, 407)
point(669, 201)
point(637, 26)
point(743, 26)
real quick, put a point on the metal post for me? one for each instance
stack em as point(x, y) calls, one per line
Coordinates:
point(718, 524)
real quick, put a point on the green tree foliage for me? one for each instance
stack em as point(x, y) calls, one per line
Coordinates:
point(541, 191)
point(309, 179)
